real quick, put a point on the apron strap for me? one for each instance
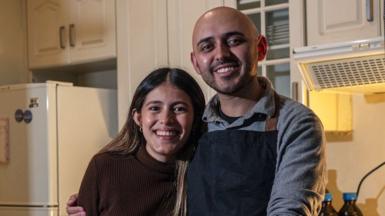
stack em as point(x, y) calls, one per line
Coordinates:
point(271, 122)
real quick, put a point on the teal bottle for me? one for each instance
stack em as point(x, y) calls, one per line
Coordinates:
point(350, 207)
point(327, 206)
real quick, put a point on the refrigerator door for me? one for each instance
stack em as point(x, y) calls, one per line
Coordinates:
point(86, 122)
point(28, 177)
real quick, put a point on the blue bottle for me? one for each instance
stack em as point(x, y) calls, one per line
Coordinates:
point(350, 207)
point(327, 207)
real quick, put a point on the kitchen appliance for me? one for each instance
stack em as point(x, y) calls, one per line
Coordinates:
point(356, 66)
point(353, 66)
point(48, 133)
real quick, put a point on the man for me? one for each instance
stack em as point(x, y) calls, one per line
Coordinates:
point(263, 153)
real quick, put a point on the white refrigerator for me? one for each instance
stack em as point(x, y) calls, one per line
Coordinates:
point(48, 133)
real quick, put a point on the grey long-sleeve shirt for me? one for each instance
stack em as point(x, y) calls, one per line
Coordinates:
point(300, 173)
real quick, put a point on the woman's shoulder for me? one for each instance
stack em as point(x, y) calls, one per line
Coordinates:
point(110, 156)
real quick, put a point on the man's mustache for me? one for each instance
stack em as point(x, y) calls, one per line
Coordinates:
point(224, 61)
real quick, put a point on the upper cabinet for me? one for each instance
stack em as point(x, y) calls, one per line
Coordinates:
point(62, 32)
point(342, 20)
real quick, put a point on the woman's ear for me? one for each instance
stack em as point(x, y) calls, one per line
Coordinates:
point(137, 117)
point(261, 47)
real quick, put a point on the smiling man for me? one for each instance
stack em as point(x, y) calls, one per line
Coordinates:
point(263, 153)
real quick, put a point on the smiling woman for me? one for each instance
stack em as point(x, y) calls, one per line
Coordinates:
point(142, 171)
point(166, 119)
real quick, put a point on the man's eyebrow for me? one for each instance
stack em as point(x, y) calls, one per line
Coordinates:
point(225, 35)
point(228, 34)
point(205, 40)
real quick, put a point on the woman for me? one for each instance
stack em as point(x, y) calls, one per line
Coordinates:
point(142, 171)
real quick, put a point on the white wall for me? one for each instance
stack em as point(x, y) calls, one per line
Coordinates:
point(12, 42)
point(351, 157)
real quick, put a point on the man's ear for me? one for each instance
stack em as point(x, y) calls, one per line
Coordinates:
point(137, 117)
point(261, 47)
point(194, 62)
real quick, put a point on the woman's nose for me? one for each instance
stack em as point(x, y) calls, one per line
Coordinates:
point(166, 117)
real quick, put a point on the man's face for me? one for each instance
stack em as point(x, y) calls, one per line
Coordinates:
point(224, 50)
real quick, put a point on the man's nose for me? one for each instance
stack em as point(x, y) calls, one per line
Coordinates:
point(222, 52)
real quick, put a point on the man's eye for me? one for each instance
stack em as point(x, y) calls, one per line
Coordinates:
point(205, 47)
point(180, 109)
point(234, 41)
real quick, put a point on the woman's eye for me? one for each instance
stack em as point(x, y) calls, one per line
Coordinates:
point(206, 47)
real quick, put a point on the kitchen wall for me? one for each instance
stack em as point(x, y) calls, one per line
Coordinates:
point(351, 156)
point(13, 67)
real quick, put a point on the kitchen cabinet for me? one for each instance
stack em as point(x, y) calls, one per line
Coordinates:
point(63, 32)
point(152, 34)
point(342, 20)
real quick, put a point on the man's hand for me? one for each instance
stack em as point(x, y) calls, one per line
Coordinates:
point(72, 208)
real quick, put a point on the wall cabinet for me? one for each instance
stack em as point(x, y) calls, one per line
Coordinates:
point(62, 32)
point(343, 20)
point(152, 34)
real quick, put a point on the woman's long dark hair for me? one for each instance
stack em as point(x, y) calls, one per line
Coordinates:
point(129, 139)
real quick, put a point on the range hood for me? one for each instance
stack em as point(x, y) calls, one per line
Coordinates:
point(355, 66)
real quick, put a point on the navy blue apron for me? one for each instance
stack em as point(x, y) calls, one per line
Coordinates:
point(232, 172)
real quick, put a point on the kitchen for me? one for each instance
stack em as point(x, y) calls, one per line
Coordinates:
point(163, 38)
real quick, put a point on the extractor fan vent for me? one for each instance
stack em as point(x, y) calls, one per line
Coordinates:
point(348, 72)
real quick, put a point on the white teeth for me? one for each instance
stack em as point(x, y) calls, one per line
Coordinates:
point(166, 133)
point(225, 69)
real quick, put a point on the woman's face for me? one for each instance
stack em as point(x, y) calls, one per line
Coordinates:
point(166, 120)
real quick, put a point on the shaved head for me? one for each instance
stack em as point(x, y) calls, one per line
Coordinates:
point(222, 15)
point(226, 50)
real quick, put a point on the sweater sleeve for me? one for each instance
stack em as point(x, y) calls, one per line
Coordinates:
point(300, 178)
point(89, 191)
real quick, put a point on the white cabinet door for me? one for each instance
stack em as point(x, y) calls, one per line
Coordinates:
point(342, 20)
point(46, 33)
point(91, 30)
point(182, 15)
point(63, 32)
point(141, 45)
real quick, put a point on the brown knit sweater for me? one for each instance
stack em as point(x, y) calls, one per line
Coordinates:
point(118, 185)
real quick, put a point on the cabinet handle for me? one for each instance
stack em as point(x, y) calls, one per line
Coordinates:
point(72, 35)
point(61, 37)
point(369, 10)
point(294, 91)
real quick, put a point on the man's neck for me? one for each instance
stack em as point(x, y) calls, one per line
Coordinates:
point(240, 103)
